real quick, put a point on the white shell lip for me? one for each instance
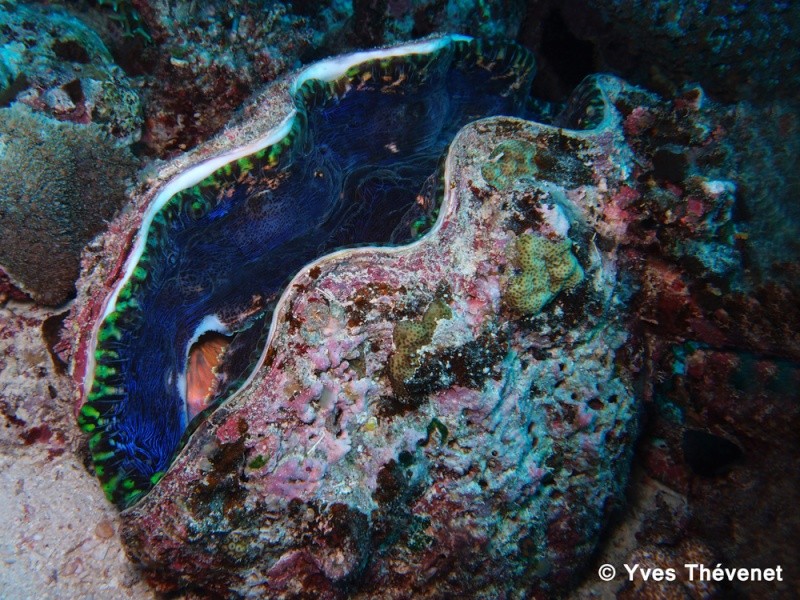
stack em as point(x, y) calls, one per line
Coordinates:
point(325, 70)
point(333, 68)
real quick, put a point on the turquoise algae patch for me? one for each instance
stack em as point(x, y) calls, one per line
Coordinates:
point(368, 132)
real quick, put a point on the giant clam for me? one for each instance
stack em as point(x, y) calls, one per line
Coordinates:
point(399, 413)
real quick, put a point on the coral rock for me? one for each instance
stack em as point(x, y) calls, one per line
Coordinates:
point(61, 183)
point(55, 64)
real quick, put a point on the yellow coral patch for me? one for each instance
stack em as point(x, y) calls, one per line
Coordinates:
point(547, 267)
point(409, 337)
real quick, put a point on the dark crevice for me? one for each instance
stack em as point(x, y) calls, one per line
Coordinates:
point(563, 59)
point(71, 51)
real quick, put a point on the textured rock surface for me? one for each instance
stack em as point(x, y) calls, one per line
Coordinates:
point(204, 62)
point(711, 234)
point(392, 21)
point(61, 183)
point(198, 65)
point(55, 64)
point(738, 50)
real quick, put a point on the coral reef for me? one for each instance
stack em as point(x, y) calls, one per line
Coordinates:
point(56, 65)
point(712, 244)
point(509, 162)
point(449, 418)
point(739, 50)
point(208, 60)
point(718, 356)
point(409, 337)
point(763, 142)
point(125, 14)
point(381, 21)
point(199, 65)
point(61, 183)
